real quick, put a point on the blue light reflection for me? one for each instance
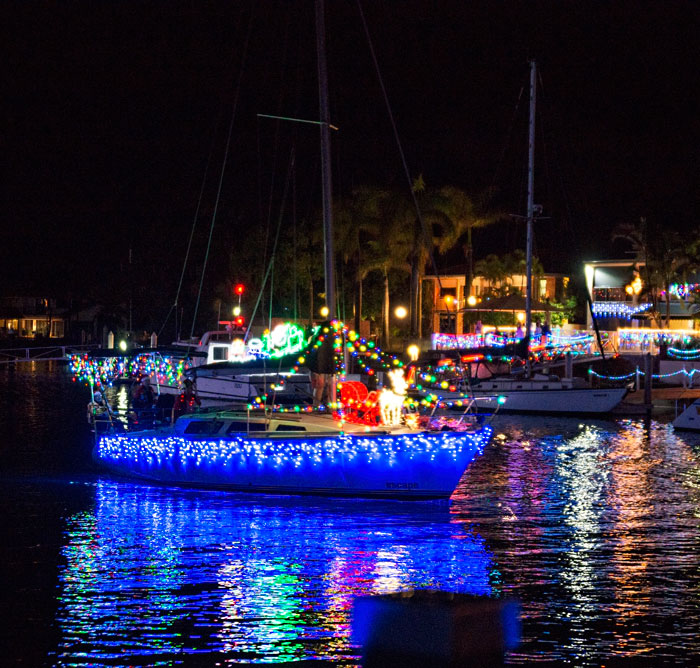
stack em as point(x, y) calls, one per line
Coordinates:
point(160, 575)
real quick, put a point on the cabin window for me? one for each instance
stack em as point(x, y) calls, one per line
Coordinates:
point(242, 426)
point(220, 353)
point(290, 427)
point(203, 427)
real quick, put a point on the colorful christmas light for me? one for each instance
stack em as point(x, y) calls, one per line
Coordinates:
point(619, 309)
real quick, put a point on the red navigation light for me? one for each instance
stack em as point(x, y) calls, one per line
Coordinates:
point(239, 321)
point(239, 289)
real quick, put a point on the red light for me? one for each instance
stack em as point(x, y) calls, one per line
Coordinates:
point(239, 321)
point(239, 288)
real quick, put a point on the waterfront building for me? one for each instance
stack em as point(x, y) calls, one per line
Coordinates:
point(621, 299)
point(449, 304)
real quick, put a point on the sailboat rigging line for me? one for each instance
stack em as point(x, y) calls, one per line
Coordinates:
point(194, 226)
point(509, 134)
point(424, 230)
point(272, 286)
point(559, 171)
point(595, 326)
point(223, 169)
point(189, 243)
point(531, 213)
point(296, 120)
point(274, 247)
point(294, 239)
point(273, 170)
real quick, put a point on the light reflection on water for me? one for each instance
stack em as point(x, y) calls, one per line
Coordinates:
point(168, 573)
point(592, 525)
point(601, 543)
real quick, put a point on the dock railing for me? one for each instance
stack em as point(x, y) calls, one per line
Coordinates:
point(42, 354)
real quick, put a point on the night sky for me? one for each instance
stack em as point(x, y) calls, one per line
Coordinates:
point(112, 110)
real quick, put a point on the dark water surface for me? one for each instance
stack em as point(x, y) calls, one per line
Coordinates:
point(592, 525)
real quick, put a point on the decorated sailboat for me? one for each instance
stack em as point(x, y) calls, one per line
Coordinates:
point(360, 443)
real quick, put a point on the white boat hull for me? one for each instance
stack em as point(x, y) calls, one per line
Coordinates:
point(532, 399)
point(408, 465)
point(689, 419)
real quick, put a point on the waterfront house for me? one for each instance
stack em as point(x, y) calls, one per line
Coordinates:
point(32, 317)
point(620, 298)
point(449, 305)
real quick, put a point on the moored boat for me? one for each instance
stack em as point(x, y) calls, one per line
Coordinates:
point(689, 419)
point(567, 396)
point(526, 392)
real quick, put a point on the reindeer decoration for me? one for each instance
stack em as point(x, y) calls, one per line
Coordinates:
point(391, 401)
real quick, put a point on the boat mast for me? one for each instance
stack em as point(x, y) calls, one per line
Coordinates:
point(530, 209)
point(325, 157)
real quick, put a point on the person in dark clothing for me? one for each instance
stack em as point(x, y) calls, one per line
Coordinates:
point(186, 401)
point(143, 399)
point(164, 407)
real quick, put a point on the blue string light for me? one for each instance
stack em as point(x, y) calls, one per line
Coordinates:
point(656, 376)
point(618, 309)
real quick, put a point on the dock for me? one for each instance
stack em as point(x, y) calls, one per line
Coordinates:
point(42, 354)
point(669, 401)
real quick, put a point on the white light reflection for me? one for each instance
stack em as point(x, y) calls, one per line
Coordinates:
point(584, 475)
point(389, 576)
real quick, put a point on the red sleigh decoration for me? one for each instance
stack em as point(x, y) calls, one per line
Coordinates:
point(359, 405)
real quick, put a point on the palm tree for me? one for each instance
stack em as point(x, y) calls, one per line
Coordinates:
point(515, 264)
point(391, 245)
point(431, 223)
point(493, 269)
point(498, 270)
point(374, 234)
point(466, 214)
point(664, 256)
point(386, 223)
point(357, 222)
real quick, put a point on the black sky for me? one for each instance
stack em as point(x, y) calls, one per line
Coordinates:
point(111, 110)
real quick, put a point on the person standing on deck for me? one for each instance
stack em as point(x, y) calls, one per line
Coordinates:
point(186, 401)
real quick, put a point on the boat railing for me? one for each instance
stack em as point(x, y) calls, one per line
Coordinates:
point(105, 419)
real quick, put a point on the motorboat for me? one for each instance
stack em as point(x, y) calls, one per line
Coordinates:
point(224, 370)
